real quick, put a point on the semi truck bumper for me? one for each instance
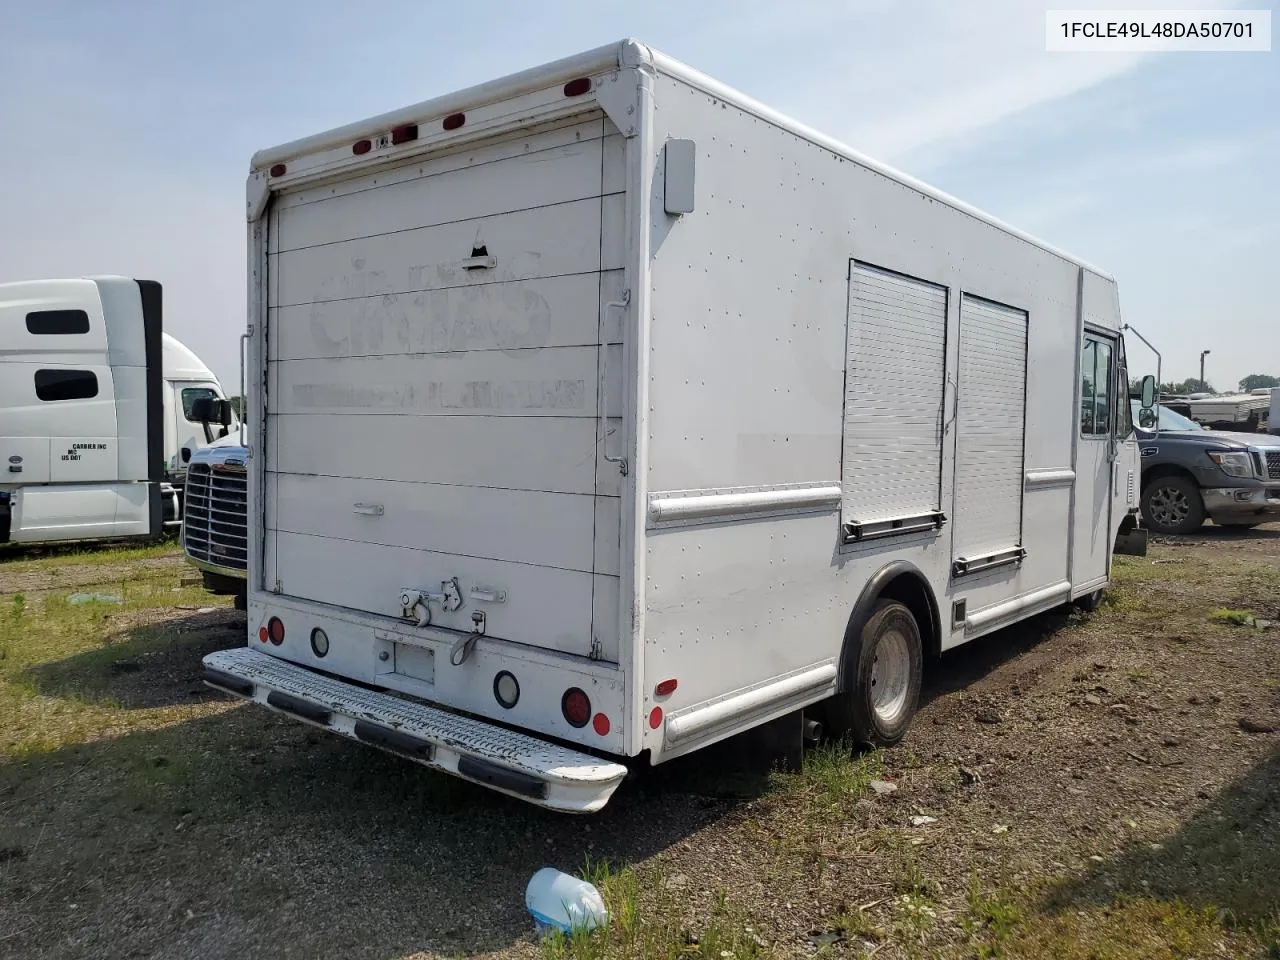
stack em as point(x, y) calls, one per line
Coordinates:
point(1242, 504)
point(522, 766)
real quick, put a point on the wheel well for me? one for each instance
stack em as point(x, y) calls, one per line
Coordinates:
point(913, 593)
point(902, 582)
point(1166, 470)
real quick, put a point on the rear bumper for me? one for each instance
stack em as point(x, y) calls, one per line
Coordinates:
point(516, 764)
point(1242, 503)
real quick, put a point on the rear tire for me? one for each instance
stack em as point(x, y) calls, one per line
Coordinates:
point(1090, 601)
point(221, 585)
point(882, 688)
point(1171, 504)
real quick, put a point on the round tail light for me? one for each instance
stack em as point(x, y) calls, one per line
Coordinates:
point(263, 635)
point(319, 642)
point(576, 707)
point(275, 630)
point(600, 724)
point(506, 689)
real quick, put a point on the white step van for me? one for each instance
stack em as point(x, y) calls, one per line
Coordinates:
point(599, 413)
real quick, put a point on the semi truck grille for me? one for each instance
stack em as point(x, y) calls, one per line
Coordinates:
point(215, 515)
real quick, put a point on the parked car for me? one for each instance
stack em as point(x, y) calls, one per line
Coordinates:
point(1190, 474)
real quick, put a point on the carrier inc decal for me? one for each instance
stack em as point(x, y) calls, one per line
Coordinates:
point(76, 449)
point(1150, 451)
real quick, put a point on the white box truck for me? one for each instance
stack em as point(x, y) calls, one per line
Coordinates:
point(96, 403)
point(600, 413)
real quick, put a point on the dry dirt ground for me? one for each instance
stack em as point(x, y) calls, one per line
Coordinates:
point(1097, 786)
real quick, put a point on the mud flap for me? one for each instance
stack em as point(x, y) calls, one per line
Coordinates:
point(1132, 543)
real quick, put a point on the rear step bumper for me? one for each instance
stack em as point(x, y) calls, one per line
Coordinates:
point(522, 766)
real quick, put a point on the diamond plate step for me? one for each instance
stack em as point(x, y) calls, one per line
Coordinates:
point(517, 764)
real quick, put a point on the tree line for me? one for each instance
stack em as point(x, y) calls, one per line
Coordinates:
point(1254, 381)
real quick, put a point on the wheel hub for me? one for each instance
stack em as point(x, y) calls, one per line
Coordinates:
point(890, 676)
point(1169, 506)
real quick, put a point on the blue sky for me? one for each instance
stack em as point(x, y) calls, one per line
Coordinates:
point(129, 127)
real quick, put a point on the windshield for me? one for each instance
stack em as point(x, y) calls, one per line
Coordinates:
point(1168, 419)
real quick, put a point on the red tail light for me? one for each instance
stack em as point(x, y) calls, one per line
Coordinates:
point(576, 707)
point(263, 635)
point(600, 723)
point(665, 688)
point(275, 630)
point(655, 718)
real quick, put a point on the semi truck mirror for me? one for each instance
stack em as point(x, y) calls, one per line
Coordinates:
point(1148, 392)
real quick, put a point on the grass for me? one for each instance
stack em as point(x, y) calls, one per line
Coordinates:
point(653, 926)
point(154, 811)
point(57, 658)
point(1235, 618)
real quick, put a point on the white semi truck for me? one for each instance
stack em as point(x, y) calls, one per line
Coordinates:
point(599, 413)
point(96, 401)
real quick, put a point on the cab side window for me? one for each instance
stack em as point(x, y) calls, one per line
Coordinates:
point(1096, 388)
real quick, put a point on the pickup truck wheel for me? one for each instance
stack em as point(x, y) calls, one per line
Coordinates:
point(1172, 504)
point(883, 688)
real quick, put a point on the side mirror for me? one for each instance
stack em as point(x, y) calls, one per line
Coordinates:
point(212, 410)
point(1148, 392)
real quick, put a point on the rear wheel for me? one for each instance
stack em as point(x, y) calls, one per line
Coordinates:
point(1172, 504)
point(1090, 601)
point(883, 684)
point(220, 584)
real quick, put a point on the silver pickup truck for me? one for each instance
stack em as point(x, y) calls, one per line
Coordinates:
point(215, 516)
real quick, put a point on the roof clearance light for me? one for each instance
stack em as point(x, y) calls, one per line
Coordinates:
point(454, 121)
point(361, 147)
point(404, 133)
point(576, 88)
point(279, 170)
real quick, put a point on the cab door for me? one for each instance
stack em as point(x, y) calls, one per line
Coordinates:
point(1096, 461)
point(1126, 477)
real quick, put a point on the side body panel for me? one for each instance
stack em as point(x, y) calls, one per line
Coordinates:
point(748, 397)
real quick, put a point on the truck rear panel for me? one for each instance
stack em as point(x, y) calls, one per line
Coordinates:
point(434, 341)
